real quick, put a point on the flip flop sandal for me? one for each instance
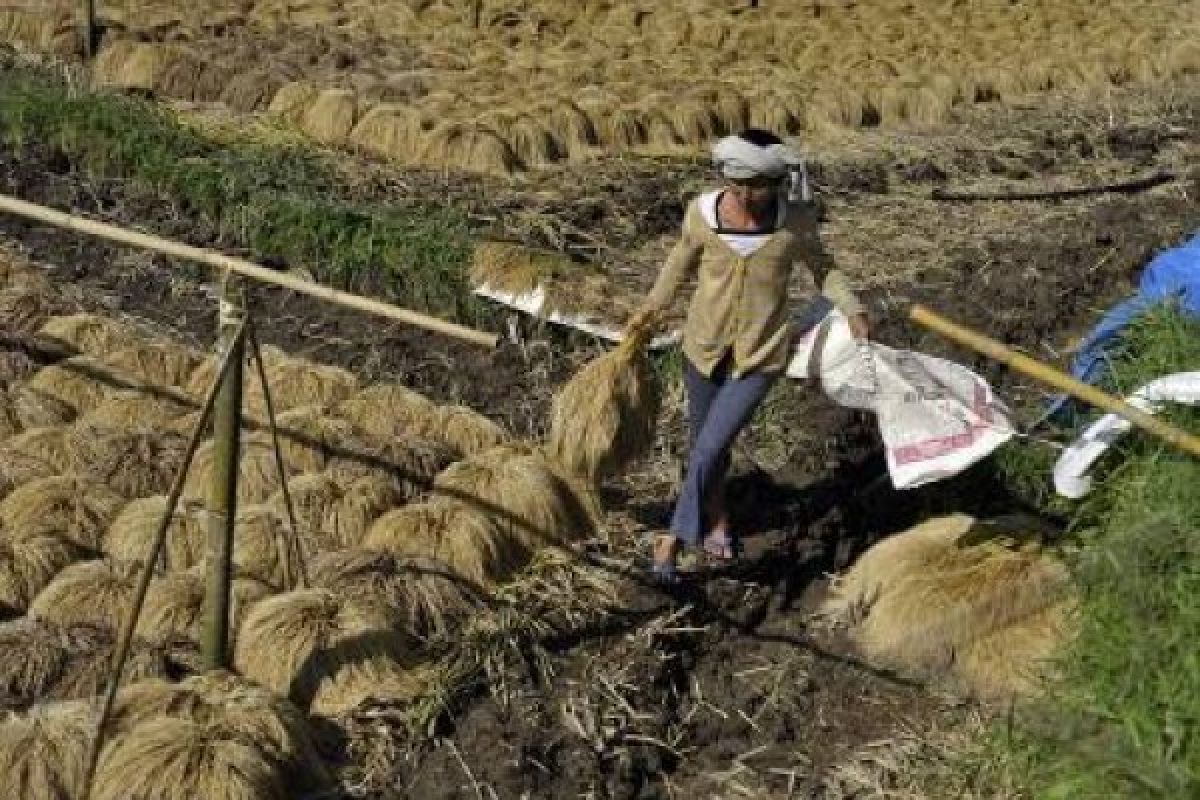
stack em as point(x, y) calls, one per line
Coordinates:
point(664, 573)
point(722, 549)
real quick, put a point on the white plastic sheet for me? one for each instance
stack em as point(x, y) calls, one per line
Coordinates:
point(1070, 478)
point(936, 418)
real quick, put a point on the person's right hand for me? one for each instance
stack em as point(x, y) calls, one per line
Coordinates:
point(646, 318)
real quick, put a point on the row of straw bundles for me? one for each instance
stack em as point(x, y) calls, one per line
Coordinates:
point(954, 596)
point(212, 736)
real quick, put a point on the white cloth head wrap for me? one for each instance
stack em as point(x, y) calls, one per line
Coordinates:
point(738, 159)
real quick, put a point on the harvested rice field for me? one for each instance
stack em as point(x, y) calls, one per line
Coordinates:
point(436, 593)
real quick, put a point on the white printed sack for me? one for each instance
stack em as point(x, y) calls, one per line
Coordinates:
point(936, 417)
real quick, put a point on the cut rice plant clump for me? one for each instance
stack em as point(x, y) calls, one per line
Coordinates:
point(81, 382)
point(16, 366)
point(465, 431)
point(90, 334)
point(24, 311)
point(43, 752)
point(605, 416)
point(134, 410)
point(295, 382)
point(257, 539)
point(35, 659)
point(410, 464)
point(130, 535)
point(519, 488)
point(27, 565)
point(174, 605)
point(258, 472)
point(468, 541)
point(91, 594)
point(309, 435)
point(300, 643)
point(331, 515)
point(155, 363)
point(89, 659)
point(65, 506)
point(32, 455)
point(386, 411)
point(427, 598)
point(133, 463)
point(270, 721)
point(34, 408)
point(953, 592)
point(177, 759)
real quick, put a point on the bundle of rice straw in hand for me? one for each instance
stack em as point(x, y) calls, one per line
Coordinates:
point(604, 417)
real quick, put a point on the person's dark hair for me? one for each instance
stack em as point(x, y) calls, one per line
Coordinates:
point(759, 137)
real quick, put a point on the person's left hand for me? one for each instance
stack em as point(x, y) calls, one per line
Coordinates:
point(860, 326)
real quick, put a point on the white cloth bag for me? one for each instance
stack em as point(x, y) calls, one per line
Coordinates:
point(936, 418)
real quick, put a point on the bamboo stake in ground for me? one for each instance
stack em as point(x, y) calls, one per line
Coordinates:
point(222, 492)
point(238, 266)
point(1053, 377)
point(121, 653)
point(87, 28)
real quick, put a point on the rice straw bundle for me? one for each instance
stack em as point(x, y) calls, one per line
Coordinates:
point(296, 643)
point(309, 434)
point(155, 363)
point(466, 540)
point(63, 505)
point(271, 722)
point(32, 659)
point(929, 593)
point(465, 430)
point(391, 130)
point(523, 494)
point(331, 116)
point(177, 759)
point(81, 382)
point(43, 753)
point(28, 565)
point(133, 463)
point(409, 463)
point(1015, 660)
point(292, 100)
point(256, 553)
point(174, 605)
point(9, 424)
point(378, 678)
point(129, 536)
point(333, 515)
point(424, 595)
point(456, 145)
point(89, 656)
point(605, 416)
point(258, 473)
point(90, 594)
point(133, 410)
point(34, 454)
point(384, 411)
point(23, 311)
point(35, 408)
point(296, 382)
point(15, 367)
point(90, 334)
point(250, 91)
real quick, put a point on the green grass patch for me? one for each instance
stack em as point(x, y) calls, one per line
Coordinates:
point(1124, 719)
point(279, 202)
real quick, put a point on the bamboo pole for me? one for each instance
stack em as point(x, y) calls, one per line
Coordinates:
point(121, 653)
point(239, 266)
point(88, 28)
point(1053, 377)
point(222, 491)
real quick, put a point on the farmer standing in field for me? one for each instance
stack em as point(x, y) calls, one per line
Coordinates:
point(742, 242)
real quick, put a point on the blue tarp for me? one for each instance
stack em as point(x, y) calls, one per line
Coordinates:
point(1171, 276)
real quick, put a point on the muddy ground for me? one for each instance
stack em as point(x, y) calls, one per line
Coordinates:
point(720, 689)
